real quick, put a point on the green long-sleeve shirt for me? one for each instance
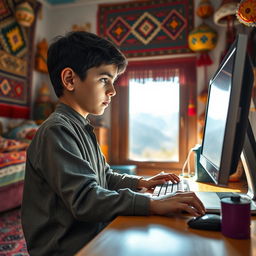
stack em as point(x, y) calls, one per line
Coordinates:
point(70, 192)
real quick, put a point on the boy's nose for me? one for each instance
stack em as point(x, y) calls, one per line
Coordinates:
point(112, 91)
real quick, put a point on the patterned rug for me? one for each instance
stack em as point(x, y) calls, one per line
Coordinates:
point(147, 28)
point(12, 242)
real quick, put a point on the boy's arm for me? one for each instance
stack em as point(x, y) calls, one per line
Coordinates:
point(118, 181)
point(75, 181)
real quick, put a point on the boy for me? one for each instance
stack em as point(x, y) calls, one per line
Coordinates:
point(70, 192)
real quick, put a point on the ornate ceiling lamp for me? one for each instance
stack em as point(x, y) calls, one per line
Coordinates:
point(246, 12)
point(225, 16)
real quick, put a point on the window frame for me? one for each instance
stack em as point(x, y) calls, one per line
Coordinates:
point(187, 131)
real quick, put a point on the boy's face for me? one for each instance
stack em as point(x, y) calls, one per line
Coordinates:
point(94, 94)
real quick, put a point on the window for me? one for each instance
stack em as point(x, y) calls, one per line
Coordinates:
point(150, 126)
point(154, 121)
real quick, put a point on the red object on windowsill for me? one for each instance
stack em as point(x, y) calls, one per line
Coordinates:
point(191, 109)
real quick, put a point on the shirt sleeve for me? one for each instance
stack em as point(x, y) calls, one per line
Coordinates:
point(118, 181)
point(61, 163)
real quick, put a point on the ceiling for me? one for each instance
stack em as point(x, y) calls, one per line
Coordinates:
point(54, 2)
point(63, 2)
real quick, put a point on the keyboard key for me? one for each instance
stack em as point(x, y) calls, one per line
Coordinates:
point(170, 188)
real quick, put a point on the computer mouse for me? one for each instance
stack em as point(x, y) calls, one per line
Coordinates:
point(206, 222)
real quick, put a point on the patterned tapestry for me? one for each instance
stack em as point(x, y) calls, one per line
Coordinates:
point(16, 57)
point(147, 28)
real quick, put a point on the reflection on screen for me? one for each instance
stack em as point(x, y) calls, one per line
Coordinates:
point(217, 111)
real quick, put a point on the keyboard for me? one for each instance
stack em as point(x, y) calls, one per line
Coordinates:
point(170, 188)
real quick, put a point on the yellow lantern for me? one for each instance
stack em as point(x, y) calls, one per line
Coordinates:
point(25, 14)
point(202, 38)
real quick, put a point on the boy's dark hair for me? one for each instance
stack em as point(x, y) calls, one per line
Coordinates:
point(81, 51)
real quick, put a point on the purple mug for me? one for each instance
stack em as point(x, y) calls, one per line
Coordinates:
point(236, 217)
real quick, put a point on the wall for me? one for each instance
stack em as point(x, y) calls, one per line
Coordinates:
point(43, 29)
point(58, 20)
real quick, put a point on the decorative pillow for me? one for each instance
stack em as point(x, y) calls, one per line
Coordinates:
point(24, 131)
point(12, 171)
point(8, 145)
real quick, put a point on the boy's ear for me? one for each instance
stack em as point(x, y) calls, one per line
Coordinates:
point(67, 78)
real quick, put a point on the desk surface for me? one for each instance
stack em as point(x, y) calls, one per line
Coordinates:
point(162, 236)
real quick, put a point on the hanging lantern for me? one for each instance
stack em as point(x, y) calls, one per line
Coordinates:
point(204, 9)
point(203, 39)
point(226, 13)
point(191, 108)
point(25, 14)
point(203, 95)
point(225, 16)
point(246, 12)
point(43, 105)
point(201, 122)
point(41, 56)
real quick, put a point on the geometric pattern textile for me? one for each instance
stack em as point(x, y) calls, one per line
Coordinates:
point(12, 167)
point(5, 10)
point(12, 64)
point(13, 95)
point(16, 61)
point(13, 39)
point(12, 242)
point(147, 28)
point(12, 88)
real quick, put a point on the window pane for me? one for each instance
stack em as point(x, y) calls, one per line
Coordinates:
point(154, 120)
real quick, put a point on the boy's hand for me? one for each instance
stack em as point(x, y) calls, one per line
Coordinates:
point(177, 203)
point(160, 178)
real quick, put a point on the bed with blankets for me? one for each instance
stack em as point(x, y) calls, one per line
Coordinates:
point(13, 145)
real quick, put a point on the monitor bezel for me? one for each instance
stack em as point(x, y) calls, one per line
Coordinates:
point(236, 113)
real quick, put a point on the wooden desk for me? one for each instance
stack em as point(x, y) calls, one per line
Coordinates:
point(165, 236)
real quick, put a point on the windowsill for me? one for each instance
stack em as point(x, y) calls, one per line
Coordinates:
point(152, 172)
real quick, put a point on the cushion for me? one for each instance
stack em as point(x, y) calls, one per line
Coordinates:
point(11, 196)
point(24, 131)
point(12, 171)
point(8, 145)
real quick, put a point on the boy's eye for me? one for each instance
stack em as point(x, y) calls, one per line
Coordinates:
point(104, 80)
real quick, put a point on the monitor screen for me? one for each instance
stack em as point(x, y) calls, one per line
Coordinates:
point(226, 117)
point(248, 156)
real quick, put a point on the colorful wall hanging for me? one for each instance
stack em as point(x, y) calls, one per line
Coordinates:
point(147, 28)
point(16, 61)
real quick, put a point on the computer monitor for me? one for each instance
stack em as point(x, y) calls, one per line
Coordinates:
point(226, 118)
point(248, 155)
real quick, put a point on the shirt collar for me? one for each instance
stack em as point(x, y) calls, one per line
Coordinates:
point(72, 114)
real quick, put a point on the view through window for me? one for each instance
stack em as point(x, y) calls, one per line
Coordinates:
point(154, 110)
